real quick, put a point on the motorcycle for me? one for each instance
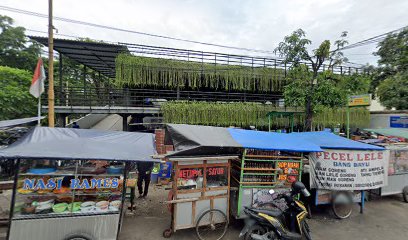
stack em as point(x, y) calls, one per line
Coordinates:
point(288, 224)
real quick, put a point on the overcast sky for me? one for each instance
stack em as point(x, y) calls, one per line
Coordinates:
point(255, 24)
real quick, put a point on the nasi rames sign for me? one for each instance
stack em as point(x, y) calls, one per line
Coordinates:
point(359, 100)
point(348, 169)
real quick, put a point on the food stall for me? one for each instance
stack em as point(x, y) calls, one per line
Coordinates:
point(269, 161)
point(199, 197)
point(202, 170)
point(395, 140)
point(397, 171)
point(344, 170)
point(70, 182)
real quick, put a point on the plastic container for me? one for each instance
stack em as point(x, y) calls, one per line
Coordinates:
point(115, 170)
point(154, 177)
point(41, 170)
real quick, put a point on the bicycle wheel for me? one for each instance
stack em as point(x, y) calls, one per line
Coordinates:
point(212, 224)
point(342, 204)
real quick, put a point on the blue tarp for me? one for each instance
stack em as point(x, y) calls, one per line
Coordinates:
point(272, 141)
point(332, 141)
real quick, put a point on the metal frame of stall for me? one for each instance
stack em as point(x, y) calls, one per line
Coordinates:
point(242, 195)
point(188, 205)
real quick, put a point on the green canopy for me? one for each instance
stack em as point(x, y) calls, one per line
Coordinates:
point(396, 132)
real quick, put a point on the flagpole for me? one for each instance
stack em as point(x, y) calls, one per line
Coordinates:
point(39, 111)
point(51, 120)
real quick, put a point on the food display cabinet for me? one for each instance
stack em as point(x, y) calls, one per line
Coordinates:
point(67, 199)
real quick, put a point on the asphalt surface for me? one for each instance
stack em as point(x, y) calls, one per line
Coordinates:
point(384, 218)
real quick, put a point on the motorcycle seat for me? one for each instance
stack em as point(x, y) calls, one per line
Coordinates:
point(269, 212)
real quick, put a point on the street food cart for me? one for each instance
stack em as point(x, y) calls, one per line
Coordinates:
point(397, 171)
point(266, 163)
point(200, 195)
point(269, 161)
point(70, 183)
point(344, 170)
point(398, 165)
point(201, 179)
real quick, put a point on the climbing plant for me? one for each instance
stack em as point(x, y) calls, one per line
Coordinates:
point(252, 114)
point(136, 71)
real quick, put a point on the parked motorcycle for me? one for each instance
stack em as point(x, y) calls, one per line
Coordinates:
point(288, 224)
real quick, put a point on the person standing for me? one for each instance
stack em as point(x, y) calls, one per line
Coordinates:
point(145, 170)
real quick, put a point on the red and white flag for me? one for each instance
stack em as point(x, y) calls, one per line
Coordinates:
point(37, 84)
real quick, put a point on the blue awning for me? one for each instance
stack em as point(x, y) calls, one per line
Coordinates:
point(272, 141)
point(332, 141)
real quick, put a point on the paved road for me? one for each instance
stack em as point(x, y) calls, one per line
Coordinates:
point(385, 218)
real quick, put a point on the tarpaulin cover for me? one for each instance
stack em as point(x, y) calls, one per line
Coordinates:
point(272, 141)
point(68, 143)
point(195, 140)
point(394, 132)
point(206, 140)
point(333, 141)
point(16, 122)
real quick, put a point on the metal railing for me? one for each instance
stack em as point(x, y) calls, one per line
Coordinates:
point(124, 97)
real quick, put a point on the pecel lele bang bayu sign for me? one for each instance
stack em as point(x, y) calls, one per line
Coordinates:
point(348, 170)
point(52, 183)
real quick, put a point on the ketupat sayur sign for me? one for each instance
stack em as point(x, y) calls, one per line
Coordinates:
point(348, 170)
point(359, 100)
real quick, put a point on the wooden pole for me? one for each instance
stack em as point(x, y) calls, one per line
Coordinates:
point(51, 121)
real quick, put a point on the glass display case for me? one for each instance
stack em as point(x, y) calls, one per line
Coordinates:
point(63, 188)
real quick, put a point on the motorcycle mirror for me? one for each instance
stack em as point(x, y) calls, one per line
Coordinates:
point(271, 191)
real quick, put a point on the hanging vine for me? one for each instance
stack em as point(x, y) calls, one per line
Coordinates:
point(252, 114)
point(135, 71)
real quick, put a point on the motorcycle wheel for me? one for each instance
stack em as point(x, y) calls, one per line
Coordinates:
point(306, 231)
point(342, 204)
point(255, 229)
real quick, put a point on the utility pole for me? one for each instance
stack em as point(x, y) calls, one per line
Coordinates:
point(51, 121)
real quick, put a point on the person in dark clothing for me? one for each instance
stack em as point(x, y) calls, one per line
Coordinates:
point(144, 169)
point(75, 125)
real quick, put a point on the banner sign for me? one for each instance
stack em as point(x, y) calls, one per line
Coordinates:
point(348, 169)
point(399, 121)
point(360, 100)
point(54, 183)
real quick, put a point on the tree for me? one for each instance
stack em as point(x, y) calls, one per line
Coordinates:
point(294, 50)
point(390, 79)
point(393, 91)
point(331, 92)
point(16, 101)
point(15, 49)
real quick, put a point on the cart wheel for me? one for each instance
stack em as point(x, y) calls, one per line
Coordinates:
point(405, 194)
point(342, 204)
point(212, 224)
point(79, 236)
point(167, 233)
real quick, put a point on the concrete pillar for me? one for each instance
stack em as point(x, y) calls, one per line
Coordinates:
point(125, 122)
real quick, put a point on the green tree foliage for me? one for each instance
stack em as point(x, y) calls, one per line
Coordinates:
point(331, 90)
point(15, 49)
point(294, 49)
point(392, 76)
point(393, 91)
point(16, 101)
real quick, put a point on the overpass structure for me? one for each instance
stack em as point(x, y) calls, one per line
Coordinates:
point(145, 101)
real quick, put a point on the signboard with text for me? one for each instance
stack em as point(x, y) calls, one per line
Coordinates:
point(359, 100)
point(348, 170)
point(399, 121)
